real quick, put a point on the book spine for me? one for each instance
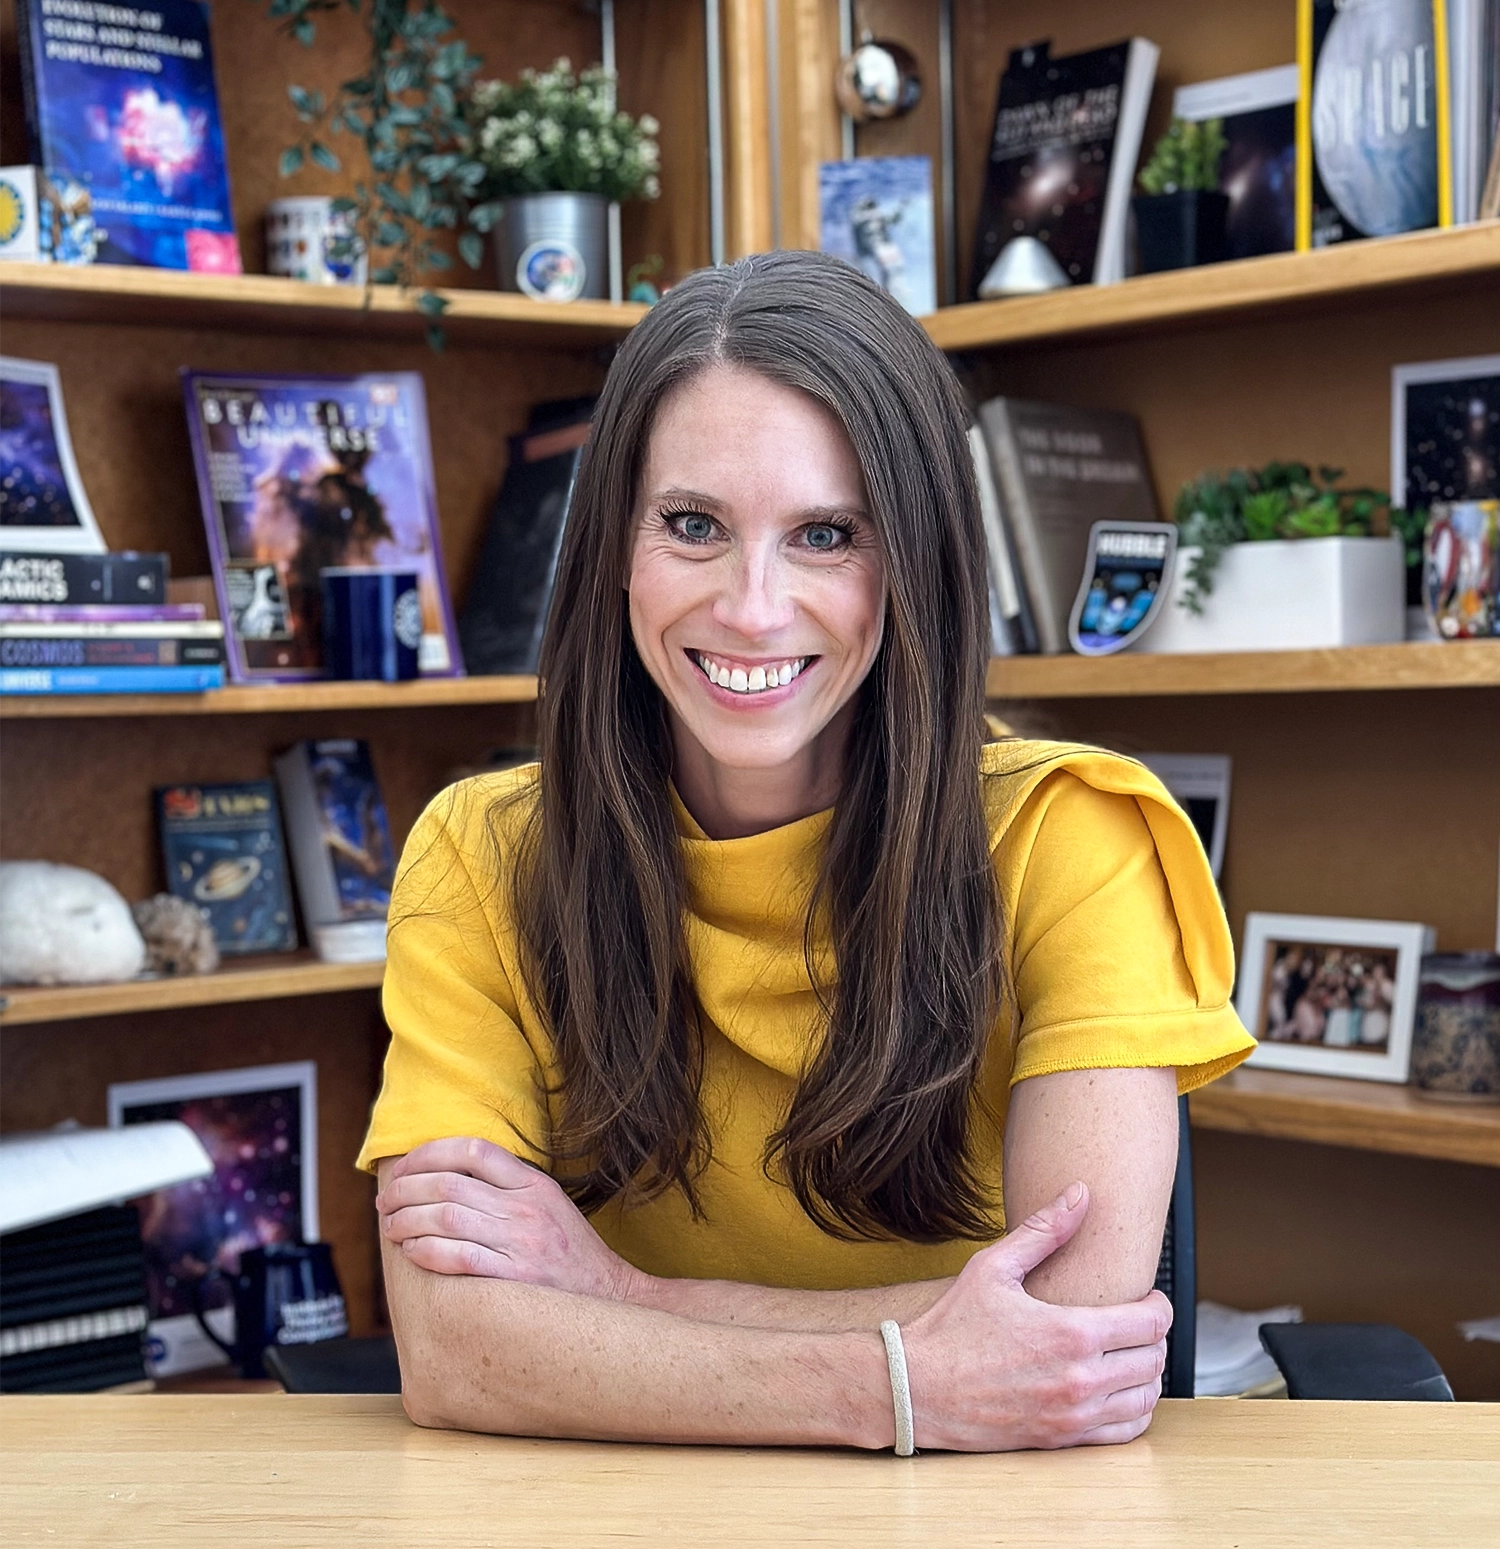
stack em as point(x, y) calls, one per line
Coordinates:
point(102, 613)
point(25, 41)
point(83, 578)
point(93, 651)
point(110, 680)
point(1304, 125)
point(124, 629)
point(1444, 80)
point(1130, 126)
point(312, 865)
point(1020, 523)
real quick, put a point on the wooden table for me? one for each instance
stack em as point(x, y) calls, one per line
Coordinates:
point(275, 1470)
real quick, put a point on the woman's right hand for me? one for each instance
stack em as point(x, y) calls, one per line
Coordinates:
point(993, 1369)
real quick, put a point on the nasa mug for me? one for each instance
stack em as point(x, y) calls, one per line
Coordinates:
point(372, 623)
point(286, 1293)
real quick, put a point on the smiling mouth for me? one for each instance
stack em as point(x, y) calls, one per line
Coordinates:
point(758, 679)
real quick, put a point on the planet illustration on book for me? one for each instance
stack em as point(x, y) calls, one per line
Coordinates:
point(226, 879)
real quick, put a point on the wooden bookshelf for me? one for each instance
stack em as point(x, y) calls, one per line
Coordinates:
point(277, 698)
point(1425, 664)
point(1362, 1115)
point(250, 303)
point(273, 978)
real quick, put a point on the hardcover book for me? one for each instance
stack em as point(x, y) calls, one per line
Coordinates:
point(1062, 156)
point(224, 854)
point(298, 474)
point(1060, 470)
point(875, 213)
point(1259, 170)
point(121, 105)
point(71, 579)
point(506, 609)
point(338, 832)
point(1373, 147)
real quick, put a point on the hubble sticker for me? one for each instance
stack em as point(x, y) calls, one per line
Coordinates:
point(1124, 584)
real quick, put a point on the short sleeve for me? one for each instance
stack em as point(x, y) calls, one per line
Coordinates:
point(459, 1061)
point(1121, 954)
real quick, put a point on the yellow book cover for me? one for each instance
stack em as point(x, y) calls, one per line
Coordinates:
point(1373, 138)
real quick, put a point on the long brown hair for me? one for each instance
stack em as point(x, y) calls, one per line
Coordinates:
point(876, 1141)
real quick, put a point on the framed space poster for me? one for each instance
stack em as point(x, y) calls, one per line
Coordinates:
point(43, 507)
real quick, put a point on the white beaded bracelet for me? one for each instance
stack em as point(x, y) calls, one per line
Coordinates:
point(895, 1360)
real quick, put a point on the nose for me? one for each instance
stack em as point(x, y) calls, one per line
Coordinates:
point(755, 600)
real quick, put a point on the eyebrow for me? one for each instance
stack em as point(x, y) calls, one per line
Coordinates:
point(711, 503)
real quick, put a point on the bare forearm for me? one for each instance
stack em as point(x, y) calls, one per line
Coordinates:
point(773, 1307)
point(517, 1359)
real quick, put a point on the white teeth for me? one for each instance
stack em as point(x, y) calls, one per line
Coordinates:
point(756, 681)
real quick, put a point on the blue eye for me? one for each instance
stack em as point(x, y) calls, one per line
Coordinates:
point(697, 527)
point(825, 538)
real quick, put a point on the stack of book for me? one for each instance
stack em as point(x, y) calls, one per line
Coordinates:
point(100, 624)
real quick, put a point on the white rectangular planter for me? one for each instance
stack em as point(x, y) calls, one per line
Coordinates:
point(1288, 595)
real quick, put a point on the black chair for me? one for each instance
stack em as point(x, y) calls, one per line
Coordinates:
point(1318, 1360)
point(336, 1366)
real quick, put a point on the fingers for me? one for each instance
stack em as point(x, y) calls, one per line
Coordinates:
point(1138, 1367)
point(1116, 1434)
point(444, 1256)
point(1131, 1323)
point(453, 1222)
point(467, 1154)
point(435, 1188)
point(1042, 1233)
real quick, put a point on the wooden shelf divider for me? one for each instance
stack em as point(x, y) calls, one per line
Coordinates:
point(270, 978)
point(277, 698)
point(1419, 258)
point(1417, 664)
point(113, 293)
point(1362, 1115)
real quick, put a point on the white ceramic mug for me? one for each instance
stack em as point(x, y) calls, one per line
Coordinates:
point(299, 235)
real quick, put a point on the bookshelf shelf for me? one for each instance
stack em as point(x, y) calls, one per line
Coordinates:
point(1411, 665)
point(271, 978)
point(1361, 1115)
point(277, 698)
point(1423, 259)
point(255, 303)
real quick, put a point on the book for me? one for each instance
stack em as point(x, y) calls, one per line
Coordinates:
point(117, 579)
point(1473, 28)
point(1012, 631)
point(111, 680)
point(44, 507)
point(506, 609)
point(297, 474)
point(1259, 171)
point(1059, 471)
point(1062, 156)
point(223, 851)
point(338, 833)
point(875, 213)
point(121, 102)
point(101, 613)
point(23, 645)
point(1373, 130)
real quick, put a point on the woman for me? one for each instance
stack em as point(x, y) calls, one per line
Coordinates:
point(771, 964)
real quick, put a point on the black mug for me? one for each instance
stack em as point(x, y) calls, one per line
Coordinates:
point(284, 1294)
point(372, 623)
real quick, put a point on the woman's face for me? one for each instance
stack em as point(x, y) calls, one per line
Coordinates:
point(757, 588)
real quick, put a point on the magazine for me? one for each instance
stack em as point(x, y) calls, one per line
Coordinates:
point(298, 474)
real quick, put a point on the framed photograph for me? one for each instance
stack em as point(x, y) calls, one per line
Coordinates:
point(43, 507)
point(1445, 431)
point(1199, 783)
point(259, 1127)
point(875, 213)
point(1331, 997)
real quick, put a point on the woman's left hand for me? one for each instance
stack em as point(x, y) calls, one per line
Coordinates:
point(467, 1207)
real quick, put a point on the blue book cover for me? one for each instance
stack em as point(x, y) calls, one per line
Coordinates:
point(110, 680)
point(123, 113)
point(224, 854)
point(876, 214)
point(300, 474)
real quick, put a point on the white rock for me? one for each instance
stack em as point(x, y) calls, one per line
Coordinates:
point(64, 925)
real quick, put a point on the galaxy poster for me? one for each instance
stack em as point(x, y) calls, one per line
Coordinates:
point(1048, 170)
point(875, 213)
point(224, 853)
point(1445, 433)
point(259, 1127)
point(42, 503)
point(298, 474)
point(122, 102)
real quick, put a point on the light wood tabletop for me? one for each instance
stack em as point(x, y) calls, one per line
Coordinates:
point(304, 1473)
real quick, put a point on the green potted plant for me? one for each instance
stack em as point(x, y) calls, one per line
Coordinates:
point(1281, 558)
point(557, 152)
point(1181, 217)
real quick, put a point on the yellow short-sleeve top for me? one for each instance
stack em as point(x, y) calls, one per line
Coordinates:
point(1117, 946)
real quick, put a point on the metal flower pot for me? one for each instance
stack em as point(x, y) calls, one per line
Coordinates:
point(554, 247)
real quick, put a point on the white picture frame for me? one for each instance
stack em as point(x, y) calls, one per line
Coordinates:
point(175, 1342)
point(1366, 968)
point(81, 536)
point(1416, 374)
point(1196, 779)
